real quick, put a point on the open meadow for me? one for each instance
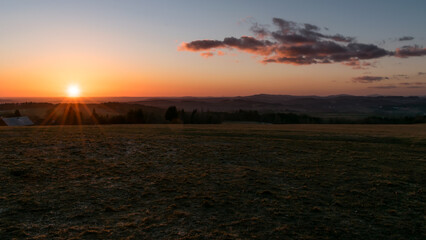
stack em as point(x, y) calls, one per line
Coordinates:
point(228, 181)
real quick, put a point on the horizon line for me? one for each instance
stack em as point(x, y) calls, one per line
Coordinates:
point(227, 96)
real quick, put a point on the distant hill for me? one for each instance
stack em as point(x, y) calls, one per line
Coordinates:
point(330, 105)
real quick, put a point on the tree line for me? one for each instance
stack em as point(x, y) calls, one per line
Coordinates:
point(175, 116)
point(136, 115)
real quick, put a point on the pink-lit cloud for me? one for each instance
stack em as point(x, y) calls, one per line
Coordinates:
point(207, 54)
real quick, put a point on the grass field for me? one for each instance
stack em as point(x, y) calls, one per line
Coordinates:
point(213, 182)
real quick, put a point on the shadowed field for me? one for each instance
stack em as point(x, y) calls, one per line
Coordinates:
point(213, 182)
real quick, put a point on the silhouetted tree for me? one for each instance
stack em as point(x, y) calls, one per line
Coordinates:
point(172, 114)
point(135, 116)
point(17, 113)
point(194, 117)
point(117, 119)
point(95, 116)
point(183, 117)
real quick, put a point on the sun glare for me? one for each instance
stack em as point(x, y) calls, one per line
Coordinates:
point(73, 91)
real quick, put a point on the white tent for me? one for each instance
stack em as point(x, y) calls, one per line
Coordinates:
point(17, 121)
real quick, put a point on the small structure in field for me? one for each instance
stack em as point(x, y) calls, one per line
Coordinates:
point(16, 121)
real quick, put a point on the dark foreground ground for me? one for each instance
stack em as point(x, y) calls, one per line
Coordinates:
point(213, 182)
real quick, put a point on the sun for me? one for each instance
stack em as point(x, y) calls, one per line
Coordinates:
point(73, 91)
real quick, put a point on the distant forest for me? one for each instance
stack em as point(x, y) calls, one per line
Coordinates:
point(123, 113)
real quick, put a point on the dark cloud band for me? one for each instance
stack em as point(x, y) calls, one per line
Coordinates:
point(406, 38)
point(301, 44)
point(410, 51)
point(368, 79)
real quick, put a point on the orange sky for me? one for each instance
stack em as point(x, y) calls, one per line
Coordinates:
point(131, 49)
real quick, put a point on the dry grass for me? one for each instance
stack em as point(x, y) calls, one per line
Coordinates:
point(213, 182)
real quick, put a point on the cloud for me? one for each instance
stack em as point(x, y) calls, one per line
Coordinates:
point(404, 84)
point(357, 64)
point(410, 51)
point(201, 45)
point(400, 76)
point(406, 38)
point(369, 64)
point(384, 87)
point(207, 54)
point(416, 87)
point(289, 42)
point(220, 53)
point(368, 79)
point(249, 44)
point(413, 83)
point(260, 31)
point(381, 43)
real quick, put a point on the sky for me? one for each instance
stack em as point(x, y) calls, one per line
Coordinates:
point(212, 48)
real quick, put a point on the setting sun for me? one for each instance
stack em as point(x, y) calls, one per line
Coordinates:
point(73, 91)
